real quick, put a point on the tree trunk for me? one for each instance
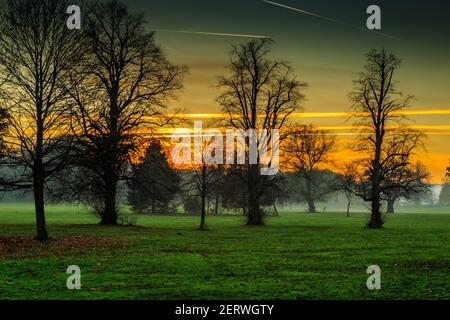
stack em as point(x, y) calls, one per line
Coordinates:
point(255, 217)
point(390, 205)
point(38, 181)
point(217, 203)
point(309, 196)
point(203, 218)
point(311, 205)
point(376, 220)
point(109, 216)
point(349, 203)
point(39, 206)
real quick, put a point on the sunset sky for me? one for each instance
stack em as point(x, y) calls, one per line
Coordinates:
point(326, 54)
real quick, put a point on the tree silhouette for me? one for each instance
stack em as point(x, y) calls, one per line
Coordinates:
point(259, 94)
point(204, 177)
point(405, 182)
point(307, 149)
point(37, 56)
point(384, 139)
point(153, 183)
point(129, 82)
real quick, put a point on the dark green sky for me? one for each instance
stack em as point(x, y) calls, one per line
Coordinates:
point(325, 54)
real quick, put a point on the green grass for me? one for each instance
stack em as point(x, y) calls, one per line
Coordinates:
point(296, 256)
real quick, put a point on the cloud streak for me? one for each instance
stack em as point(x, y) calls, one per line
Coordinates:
point(328, 19)
point(220, 34)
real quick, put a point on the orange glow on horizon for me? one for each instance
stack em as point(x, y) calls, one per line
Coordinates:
point(299, 115)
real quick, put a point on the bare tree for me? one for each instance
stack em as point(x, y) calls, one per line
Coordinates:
point(204, 177)
point(405, 182)
point(204, 181)
point(259, 94)
point(307, 150)
point(400, 178)
point(383, 138)
point(350, 180)
point(124, 96)
point(37, 56)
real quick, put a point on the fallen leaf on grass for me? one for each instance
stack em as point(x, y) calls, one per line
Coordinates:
point(23, 247)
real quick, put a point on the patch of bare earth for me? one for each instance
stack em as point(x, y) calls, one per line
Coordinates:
point(12, 247)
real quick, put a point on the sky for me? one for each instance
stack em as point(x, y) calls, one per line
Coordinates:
point(326, 43)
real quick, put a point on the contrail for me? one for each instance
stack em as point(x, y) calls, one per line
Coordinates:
point(217, 34)
point(328, 19)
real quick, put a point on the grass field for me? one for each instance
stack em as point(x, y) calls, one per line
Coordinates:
point(296, 256)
